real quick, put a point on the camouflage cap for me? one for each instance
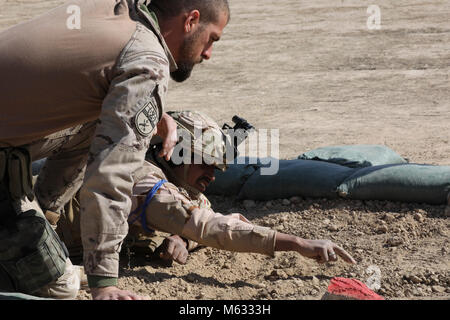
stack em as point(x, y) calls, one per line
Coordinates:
point(203, 137)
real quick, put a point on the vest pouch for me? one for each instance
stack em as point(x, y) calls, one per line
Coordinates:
point(31, 253)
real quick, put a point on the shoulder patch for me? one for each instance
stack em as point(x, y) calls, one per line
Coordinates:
point(147, 118)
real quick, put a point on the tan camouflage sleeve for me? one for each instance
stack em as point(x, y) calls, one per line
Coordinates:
point(171, 211)
point(130, 112)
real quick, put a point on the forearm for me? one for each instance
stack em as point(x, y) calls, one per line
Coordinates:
point(231, 232)
point(287, 242)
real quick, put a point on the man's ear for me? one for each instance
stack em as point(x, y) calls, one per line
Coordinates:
point(192, 21)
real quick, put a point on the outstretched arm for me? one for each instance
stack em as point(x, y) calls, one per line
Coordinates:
point(320, 250)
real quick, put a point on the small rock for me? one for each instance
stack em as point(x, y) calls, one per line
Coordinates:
point(315, 281)
point(260, 286)
point(388, 217)
point(415, 279)
point(298, 282)
point(201, 295)
point(417, 292)
point(326, 221)
point(269, 204)
point(439, 289)
point(249, 204)
point(434, 279)
point(419, 217)
point(285, 202)
point(408, 292)
point(382, 229)
point(333, 228)
point(274, 275)
point(394, 241)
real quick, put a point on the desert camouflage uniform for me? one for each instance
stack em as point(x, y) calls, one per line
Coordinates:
point(89, 102)
point(183, 210)
point(179, 208)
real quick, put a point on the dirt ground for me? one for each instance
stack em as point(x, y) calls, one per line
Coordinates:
point(313, 70)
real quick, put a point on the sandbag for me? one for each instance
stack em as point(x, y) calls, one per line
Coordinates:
point(355, 156)
point(304, 178)
point(403, 182)
point(230, 182)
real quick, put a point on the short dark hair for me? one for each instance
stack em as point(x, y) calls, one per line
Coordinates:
point(209, 9)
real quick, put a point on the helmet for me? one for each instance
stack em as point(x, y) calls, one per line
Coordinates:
point(202, 138)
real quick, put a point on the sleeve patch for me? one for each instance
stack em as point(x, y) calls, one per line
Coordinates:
point(146, 118)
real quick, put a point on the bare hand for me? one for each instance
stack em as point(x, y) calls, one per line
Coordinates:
point(114, 293)
point(167, 130)
point(173, 248)
point(323, 251)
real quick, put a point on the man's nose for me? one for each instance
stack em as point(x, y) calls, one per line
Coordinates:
point(206, 54)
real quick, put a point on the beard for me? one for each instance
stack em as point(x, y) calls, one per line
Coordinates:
point(187, 60)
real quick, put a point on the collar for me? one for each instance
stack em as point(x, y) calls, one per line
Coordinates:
point(151, 19)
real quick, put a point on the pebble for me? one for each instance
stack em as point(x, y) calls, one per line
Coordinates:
point(395, 241)
point(382, 229)
point(286, 202)
point(315, 281)
point(417, 292)
point(389, 217)
point(415, 279)
point(260, 286)
point(419, 217)
point(326, 221)
point(249, 204)
point(269, 204)
point(439, 289)
point(333, 228)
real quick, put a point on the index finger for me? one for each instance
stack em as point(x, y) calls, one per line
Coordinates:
point(344, 255)
point(167, 149)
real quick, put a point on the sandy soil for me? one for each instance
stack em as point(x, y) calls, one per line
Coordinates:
point(313, 70)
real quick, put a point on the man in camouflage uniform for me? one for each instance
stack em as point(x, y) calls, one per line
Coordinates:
point(178, 205)
point(90, 100)
point(169, 197)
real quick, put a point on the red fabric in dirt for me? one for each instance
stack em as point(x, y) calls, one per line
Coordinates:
point(352, 288)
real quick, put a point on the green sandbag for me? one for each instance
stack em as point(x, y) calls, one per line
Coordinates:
point(229, 183)
point(404, 183)
point(315, 179)
point(355, 156)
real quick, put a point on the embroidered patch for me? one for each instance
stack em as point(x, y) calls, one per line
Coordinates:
point(146, 119)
